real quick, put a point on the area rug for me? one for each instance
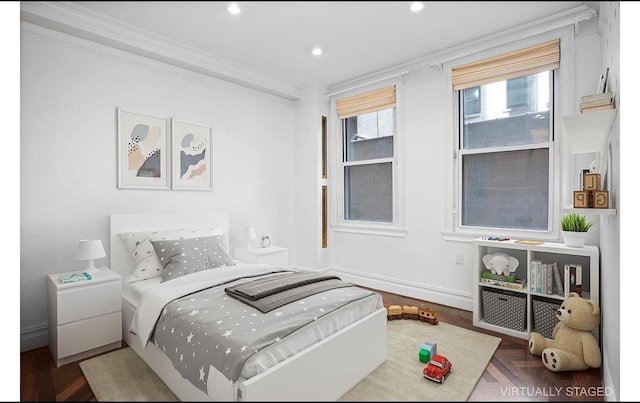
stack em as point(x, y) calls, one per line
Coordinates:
point(400, 377)
point(123, 376)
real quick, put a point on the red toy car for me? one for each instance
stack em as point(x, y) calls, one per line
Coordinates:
point(438, 369)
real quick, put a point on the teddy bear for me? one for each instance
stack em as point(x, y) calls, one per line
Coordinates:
point(573, 346)
point(500, 263)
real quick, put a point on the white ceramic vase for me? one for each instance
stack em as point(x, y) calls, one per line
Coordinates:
point(574, 239)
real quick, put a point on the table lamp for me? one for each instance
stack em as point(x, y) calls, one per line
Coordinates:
point(89, 249)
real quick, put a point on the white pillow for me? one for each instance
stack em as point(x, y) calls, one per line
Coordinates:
point(139, 244)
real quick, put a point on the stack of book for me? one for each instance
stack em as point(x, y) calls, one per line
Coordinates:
point(502, 280)
point(545, 278)
point(596, 102)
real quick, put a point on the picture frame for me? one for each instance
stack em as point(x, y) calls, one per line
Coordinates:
point(143, 151)
point(192, 156)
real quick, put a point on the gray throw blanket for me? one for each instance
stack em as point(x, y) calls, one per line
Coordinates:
point(270, 293)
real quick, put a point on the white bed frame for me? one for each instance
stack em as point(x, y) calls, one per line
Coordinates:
point(324, 371)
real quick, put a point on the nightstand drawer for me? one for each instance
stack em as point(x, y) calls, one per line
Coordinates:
point(77, 337)
point(79, 303)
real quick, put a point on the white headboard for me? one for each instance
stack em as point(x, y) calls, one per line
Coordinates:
point(121, 260)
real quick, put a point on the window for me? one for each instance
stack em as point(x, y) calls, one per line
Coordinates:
point(504, 154)
point(472, 101)
point(368, 126)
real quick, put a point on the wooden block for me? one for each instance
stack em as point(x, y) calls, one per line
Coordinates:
point(601, 199)
point(591, 182)
point(424, 355)
point(582, 199)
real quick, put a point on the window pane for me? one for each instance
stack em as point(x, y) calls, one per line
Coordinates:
point(369, 136)
point(512, 112)
point(472, 101)
point(506, 189)
point(368, 192)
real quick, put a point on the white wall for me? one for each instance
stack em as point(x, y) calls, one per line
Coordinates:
point(70, 89)
point(308, 180)
point(423, 264)
point(609, 27)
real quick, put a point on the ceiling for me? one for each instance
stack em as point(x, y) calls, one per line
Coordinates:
point(275, 39)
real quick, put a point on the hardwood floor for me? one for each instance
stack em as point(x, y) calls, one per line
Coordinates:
point(512, 375)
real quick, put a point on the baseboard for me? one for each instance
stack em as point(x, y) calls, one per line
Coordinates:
point(422, 291)
point(34, 337)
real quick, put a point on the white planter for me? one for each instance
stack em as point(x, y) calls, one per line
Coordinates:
point(574, 239)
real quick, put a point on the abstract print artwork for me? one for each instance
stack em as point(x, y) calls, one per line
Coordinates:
point(142, 151)
point(192, 156)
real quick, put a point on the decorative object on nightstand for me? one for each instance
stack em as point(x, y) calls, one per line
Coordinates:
point(89, 249)
point(85, 317)
point(250, 236)
point(265, 241)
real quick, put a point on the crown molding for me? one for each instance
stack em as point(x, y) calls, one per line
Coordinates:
point(564, 19)
point(72, 19)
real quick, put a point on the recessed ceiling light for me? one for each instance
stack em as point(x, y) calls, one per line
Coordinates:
point(417, 6)
point(316, 51)
point(234, 8)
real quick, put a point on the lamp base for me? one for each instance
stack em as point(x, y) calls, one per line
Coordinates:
point(90, 268)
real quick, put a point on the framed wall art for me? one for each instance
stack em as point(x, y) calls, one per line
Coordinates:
point(192, 156)
point(143, 151)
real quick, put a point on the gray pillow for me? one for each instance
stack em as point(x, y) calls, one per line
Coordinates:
point(180, 257)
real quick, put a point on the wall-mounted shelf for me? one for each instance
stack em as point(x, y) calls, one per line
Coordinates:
point(594, 211)
point(588, 131)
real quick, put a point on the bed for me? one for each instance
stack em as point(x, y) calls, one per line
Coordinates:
point(321, 361)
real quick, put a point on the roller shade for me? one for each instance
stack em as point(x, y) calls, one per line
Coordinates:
point(520, 63)
point(383, 98)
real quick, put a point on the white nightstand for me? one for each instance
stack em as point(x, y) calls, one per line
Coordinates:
point(274, 255)
point(85, 317)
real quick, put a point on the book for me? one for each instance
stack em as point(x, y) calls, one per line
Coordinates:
point(549, 279)
point(558, 279)
point(596, 108)
point(534, 269)
point(573, 278)
point(74, 277)
point(499, 277)
point(597, 98)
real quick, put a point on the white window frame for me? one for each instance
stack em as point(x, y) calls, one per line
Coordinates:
point(558, 164)
point(395, 228)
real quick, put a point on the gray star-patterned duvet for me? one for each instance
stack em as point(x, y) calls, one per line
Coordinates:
point(197, 325)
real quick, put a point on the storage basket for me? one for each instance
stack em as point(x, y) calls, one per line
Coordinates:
point(544, 316)
point(505, 308)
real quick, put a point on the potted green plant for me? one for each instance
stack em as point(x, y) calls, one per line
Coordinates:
point(574, 229)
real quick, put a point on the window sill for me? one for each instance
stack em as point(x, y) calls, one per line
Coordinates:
point(469, 237)
point(371, 230)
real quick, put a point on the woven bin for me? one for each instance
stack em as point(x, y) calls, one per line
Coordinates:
point(505, 309)
point(544, 316)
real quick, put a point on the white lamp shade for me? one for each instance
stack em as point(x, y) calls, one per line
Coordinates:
point(89, 249)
